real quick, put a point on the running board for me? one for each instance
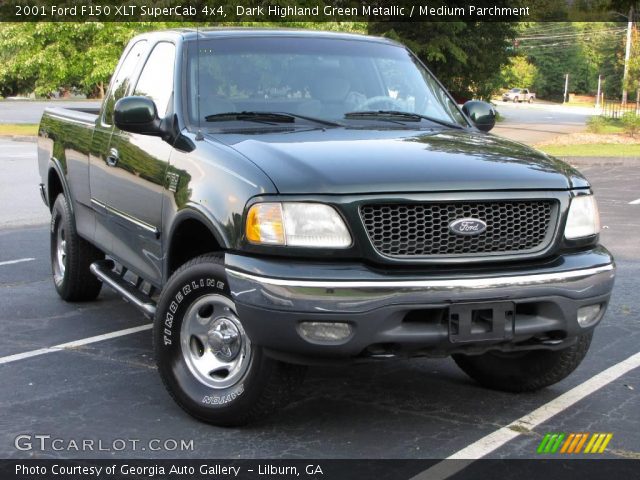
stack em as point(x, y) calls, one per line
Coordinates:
point(103, 269)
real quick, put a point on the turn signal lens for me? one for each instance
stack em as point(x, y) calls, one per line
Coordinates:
point(265, 225)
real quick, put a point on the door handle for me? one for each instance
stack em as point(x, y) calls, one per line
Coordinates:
point(113, 157)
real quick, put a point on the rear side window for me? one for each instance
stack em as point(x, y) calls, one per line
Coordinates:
point(156, 79)
point(122, 78)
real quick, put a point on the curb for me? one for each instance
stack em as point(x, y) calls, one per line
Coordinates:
point(20, 138)
point(602, 161)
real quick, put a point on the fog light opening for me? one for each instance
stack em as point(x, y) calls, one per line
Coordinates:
point(325, 332)
point(588, 315)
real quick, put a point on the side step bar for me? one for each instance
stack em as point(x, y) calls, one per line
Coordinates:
point(103, 269)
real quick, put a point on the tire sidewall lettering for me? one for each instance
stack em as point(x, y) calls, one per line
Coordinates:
point(217, 399)
point(185, 293)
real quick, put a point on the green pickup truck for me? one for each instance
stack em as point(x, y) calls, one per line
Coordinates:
point(279, 198)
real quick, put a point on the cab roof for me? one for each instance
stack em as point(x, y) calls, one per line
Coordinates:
point(239, 32)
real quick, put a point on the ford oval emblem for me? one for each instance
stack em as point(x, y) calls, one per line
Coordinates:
point(468, 226)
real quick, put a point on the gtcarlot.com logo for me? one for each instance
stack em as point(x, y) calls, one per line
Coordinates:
point(44, 442)
point(574, 442)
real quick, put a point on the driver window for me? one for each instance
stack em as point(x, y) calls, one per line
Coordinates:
point(156, 79)
point(121, 80)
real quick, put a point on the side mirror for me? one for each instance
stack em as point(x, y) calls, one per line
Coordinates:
point(137, 115)
point(482, 114)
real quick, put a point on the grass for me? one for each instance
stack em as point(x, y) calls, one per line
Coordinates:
point(597, 124)
point(19, 129)
point(592, 150)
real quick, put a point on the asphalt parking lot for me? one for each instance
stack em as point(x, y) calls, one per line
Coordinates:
point(109, 390)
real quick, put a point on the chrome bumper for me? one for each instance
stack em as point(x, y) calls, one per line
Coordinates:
point(353, 296)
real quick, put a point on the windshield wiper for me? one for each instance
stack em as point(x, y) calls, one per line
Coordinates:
point(397, 114)
point(261, 117)
point(266, 117)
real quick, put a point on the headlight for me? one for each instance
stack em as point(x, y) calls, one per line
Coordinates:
point(583, 219)
point(296, 224)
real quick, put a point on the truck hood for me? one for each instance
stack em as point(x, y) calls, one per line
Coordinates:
point(344, 161)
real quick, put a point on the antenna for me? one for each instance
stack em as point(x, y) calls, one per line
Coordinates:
point(199, 135)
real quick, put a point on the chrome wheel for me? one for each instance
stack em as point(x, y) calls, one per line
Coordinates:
point(60, 260)
point(214, 345)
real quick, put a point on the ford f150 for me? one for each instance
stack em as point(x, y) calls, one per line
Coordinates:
point(279, 198)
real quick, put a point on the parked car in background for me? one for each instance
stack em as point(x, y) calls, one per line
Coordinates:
point(518, 95)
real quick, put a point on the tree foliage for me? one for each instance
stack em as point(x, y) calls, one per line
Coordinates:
point(584, 50)
point(466, 56)
point(52, 57)
point(48, 58)
point(519, 72)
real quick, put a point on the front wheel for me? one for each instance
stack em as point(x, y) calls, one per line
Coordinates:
point(206, 359)
point(530, 100)
point(524, 371)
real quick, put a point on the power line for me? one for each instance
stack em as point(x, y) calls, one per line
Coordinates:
point(573, 35)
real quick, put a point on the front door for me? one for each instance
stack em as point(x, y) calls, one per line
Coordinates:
point(137, 169)
point(99, 167)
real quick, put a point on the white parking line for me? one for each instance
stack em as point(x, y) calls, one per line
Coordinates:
point(74, 344)
point(496, 439)
point(635, 202)
point(19, 260)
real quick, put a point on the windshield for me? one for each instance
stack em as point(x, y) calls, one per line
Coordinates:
point(311, 78)
point(515, 90)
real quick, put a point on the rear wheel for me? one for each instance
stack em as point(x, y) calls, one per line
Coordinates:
point(71, 256)
point(206, 359)
point(524, 371)
point(516, 99)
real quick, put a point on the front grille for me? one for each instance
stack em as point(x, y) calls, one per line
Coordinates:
point(422, 229)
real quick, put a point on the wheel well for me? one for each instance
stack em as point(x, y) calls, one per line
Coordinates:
point(54, 187)
point(190, 239)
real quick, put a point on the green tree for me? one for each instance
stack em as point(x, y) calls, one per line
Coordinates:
point(466, 56)
point(583, 50)
point(519, 72)
point(50, 57)
point(56, 57)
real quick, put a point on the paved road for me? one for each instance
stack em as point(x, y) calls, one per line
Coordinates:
point(27, 111)
point(537, 123)
point(20, 202)
point(398, 409)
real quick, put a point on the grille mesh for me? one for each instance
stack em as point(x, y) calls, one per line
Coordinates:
point(422, 229)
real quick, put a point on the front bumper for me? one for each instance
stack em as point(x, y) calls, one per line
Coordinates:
point(405, 312)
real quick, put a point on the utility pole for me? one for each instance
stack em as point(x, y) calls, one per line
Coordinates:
point(627, 55)
point(599, 90)
point(565, 99)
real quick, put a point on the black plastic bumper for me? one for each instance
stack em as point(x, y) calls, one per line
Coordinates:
point(403, 312)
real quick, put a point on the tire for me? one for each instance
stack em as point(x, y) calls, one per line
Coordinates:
point(516, 100)
point(211, 369)
point(530, 100)
point(524, 371)
point(71, 256)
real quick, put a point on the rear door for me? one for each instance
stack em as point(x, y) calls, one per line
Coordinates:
point(138, 166)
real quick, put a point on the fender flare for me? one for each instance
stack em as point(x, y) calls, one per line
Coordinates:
point(57, 167)
point(194, 212)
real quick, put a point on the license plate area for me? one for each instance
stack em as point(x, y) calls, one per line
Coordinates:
point(478, 322)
